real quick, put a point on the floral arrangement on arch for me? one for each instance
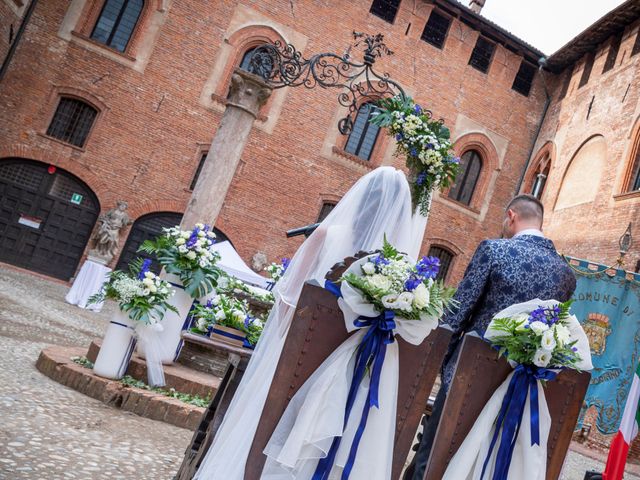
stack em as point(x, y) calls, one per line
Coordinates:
point(425, 142)
point(189, 254)
point(226, 311)
point(391, 282)
point(140, 293)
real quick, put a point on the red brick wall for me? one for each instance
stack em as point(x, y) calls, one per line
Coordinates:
point(144, 146)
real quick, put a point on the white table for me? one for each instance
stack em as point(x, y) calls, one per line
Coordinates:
point(88, 282)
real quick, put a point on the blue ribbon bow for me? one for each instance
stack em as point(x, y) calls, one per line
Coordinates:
point(524, 380)
point(371, 353)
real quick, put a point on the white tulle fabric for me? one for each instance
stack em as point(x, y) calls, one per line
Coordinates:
point(378, 204)
point(316, 413)
point(150, 341)
point(528, 461)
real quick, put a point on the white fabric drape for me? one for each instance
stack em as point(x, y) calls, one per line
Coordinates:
point(89, 281)
point(316, 413)
point(528, 461)
point(378, 204)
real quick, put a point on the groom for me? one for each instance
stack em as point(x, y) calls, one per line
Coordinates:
point(520, 267)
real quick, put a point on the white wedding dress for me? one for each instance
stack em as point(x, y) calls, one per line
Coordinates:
point(378, 204)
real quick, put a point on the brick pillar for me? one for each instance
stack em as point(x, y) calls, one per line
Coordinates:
point(247, 93)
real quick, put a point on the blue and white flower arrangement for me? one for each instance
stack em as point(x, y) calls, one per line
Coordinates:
point(140, 293)
point(391, 282)
point(190, 255)
point(276, 270)
point(425, 142)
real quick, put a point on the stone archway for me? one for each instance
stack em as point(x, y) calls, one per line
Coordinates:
point(46, 217)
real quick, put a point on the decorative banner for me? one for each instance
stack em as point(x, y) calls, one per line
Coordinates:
point(607, 304)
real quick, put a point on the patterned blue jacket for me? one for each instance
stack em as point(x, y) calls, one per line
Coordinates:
point(501, 273)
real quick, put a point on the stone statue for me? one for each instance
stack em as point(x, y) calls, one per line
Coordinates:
point(258, 262)
point(106, 237)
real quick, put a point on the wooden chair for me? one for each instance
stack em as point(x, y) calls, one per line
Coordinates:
point(316, 331)
point(479, 372)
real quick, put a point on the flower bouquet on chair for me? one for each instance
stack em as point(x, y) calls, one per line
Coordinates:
point(143, 300)
point(508, 441)
point(381, 295)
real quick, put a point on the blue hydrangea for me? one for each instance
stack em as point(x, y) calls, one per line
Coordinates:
point(428, 267)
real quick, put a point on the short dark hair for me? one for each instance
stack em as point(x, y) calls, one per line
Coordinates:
point(527, 206)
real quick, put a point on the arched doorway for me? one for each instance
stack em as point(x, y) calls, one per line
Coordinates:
point(46, 217)
point(150, 226)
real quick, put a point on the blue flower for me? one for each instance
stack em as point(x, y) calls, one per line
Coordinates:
point(248, 321)
point(285, 264)
point(417, 109)
point(429, 146)
point(454, 159)
point(193, 238)
point(209, 304)
point(412, 283)
point(414, 152)
point(422, 177)
point(146, 264)
point(399, 137)
point(380, 260)
point(428, 267)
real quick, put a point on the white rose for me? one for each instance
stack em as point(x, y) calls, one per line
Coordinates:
point(390, 301)
point(379, 281)
point(153, 288)
point(145, 292)
point(563, 334)
point(180, 241)
point(147, 282)
point(185, 235)
point(548, 341)
point(191, 255)
point(199, 226)
point(220, 315)
point(210, 234)
point(542, 358)
point(539, 327)
point(405, 299)
point(421, 296)
point(183, 249)
point(201, 233)
point(201, 324)
point(149, 275)
point(369, 268)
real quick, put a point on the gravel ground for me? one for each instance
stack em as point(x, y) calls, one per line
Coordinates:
point(51, 432)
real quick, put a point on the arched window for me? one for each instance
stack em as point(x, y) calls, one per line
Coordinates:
point(445, 256)
point(116, 23)
point(540, 178)
point(325, 210)
point(470, 167)
point(72, 121)
point(634, 178)
point(364, 134)
point(263, 68)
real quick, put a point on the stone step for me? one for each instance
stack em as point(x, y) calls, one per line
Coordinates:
point(55, 362)
point(180, 377)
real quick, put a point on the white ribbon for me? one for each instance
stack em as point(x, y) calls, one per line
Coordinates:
point(149, 336)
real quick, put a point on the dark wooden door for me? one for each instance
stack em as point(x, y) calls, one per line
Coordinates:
point(46, 218)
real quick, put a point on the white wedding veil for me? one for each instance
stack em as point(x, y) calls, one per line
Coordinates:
point(378, 204)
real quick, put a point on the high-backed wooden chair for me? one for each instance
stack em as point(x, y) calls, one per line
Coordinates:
point(316, 331)
point(478, 373)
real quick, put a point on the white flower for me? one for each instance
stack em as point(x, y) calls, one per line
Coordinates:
point(191, 255)
point(180, 241)
point(201, 324)
point(539, 327)
point(149, 275)
point(405, 300)
point(369, 268)
point(390, 301)
point(185, 235)
point(183, 249)
point(542, 358)
point(199, 226)
point(201, 233)
point(521, 320)
point(257, 322)
point(379, 281)
point(215, 300)
point(421, 296)
point(238, 315)
point(147, 282)
point(220, 315)
point(210, 234)
point(548, 341)
point(563, 334)
point(146, 292)
point(153, 288)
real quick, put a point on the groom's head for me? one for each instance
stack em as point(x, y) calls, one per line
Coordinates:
point(522, 212)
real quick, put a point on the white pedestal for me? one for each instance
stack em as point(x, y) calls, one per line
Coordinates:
point(89, 281)
point(117, 347)
point(172, 323)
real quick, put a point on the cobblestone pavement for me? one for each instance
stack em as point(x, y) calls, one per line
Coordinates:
point(50, 432)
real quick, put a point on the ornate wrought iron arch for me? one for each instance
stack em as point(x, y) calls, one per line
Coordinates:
point(281, 65)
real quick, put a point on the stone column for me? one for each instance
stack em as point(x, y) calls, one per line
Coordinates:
point(247, 93)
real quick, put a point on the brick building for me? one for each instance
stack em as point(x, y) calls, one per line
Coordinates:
point(106, 100)
point(586, 161)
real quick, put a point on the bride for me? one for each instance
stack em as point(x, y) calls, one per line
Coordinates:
point(378, 204)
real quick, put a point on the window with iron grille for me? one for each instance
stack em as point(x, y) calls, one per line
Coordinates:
point(363, 136)
point(568, 74)
point(72, 121)
point(435, 31)
point(612, 55)
point(116, 23)
point(636, 46)
point(385, 9)
point(524, 78)
point(446, 257)
point(586, 71)
point(194, 180)
point(482, 54)
point(325, 210)
point(467, 178)
point(263, 69)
